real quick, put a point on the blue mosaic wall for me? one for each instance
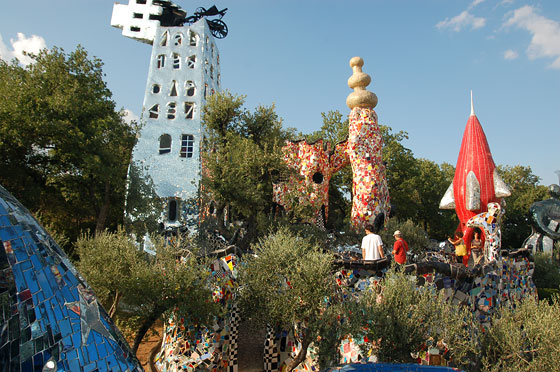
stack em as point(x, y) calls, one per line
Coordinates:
point(49, 318)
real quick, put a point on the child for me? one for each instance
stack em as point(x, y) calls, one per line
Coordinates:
point(460, 247)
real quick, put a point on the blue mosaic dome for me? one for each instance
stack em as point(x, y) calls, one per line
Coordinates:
point(50, 319)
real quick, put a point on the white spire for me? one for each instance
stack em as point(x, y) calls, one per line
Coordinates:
point(472, 106)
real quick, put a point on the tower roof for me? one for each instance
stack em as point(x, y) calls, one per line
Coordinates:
point(359, 80)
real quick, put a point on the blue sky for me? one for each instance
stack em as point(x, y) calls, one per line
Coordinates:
point(424, 57)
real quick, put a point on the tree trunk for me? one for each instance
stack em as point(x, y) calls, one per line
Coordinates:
point(150, 320)
point(154, 351)
point(115, 304)
point(301, 355)
point(102, 217)
point(220, 209)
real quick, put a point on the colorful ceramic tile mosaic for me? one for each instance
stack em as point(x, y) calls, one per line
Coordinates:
point(362, 150)
point(187, 347)
point(310, 185)
point(488, 222)
point(369, 184)
point(51, 320)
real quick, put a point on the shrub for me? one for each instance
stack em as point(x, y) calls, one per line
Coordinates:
point(405, 316)
point(524, 338)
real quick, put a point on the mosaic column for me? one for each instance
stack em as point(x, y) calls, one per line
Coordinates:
point(234, 322)
point(271, 355)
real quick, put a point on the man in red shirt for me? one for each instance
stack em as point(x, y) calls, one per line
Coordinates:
point(400, 248)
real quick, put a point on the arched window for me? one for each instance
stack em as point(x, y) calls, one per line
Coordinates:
point(191, 61)
point(189, 110)
point(205, 91)
point(211, 72)
point(172, 210)
point(154, 111)
point(164, 38)
point(176, 61)
point(205, 67)
point(171, 110)
point(193, 39)
point(178, 39)
point(187, 146)
point(161, 61)
point(173, 90)
point(164, 144)
point(191, 88)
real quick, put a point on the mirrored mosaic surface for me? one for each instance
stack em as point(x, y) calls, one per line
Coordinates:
point(49, 318)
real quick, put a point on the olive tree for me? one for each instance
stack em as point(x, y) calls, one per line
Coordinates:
point(286, 285)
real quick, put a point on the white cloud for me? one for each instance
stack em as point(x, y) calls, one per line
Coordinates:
point(465, 19)
point(510, 54)
point(545, 41)
point(129, 116)
point(32, 44)
point(506, 2)
point(475, 3)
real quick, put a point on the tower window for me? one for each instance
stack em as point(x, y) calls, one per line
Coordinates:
point(134, 29)
point(205, 67)
point(187, 146)
point(211, 72)
point(218, 80)
point(189, 110)
point(173, 91)
point(156, 88)
point(138, 15)
point(205, 91)
point(171, 110)
point(164, 144)
point(161, 61)
point(140, 1)
point(193, 39)
point(172, 210)
point(154, 111)
point(178, 39)
point(176, 61)
point(191, 88)
point(164, 38)
point(191, 61)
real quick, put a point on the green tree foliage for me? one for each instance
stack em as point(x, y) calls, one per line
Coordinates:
point(241, 151)
point(525, 338)
point(416, 186)
point(175, 279)
point(430, 183)
point(415, 235)
point(547, 272)
point(141, 202)
point(525, 190)
point(401, 317)
point(286, 285)
point(64, 149)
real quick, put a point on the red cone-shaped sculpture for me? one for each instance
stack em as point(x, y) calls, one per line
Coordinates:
point(476, 182)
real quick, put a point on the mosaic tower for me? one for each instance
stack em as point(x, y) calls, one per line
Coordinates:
point(184, 71)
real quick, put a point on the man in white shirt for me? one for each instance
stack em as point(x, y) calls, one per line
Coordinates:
point(372, 246)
